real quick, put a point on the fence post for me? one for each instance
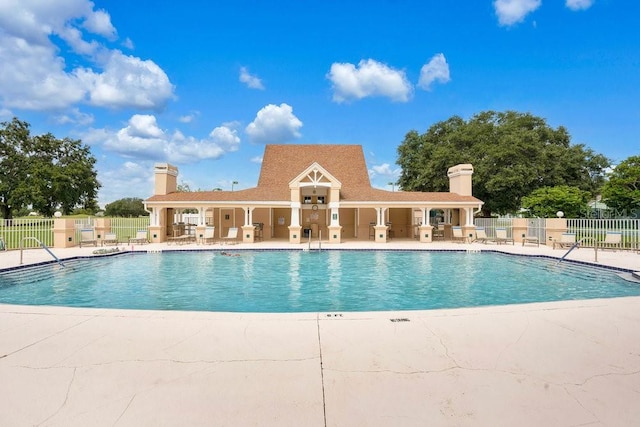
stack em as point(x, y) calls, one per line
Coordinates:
point(103, 225)
point(518, 229)
point(554, 228)
point(64, 232)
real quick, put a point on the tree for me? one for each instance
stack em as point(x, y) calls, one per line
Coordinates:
point(545, 202)
point(44, 172)
point(622, 190)
point(127, 207)
point(512, 154)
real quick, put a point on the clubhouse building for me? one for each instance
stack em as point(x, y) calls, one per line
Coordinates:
point(318, 192)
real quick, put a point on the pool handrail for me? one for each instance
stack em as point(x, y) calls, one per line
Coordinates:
point(576, 244)
point(45, 247)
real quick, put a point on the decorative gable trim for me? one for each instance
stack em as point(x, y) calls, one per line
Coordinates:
point(315, 176)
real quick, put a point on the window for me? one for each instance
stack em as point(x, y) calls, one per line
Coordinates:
point(321, 200)
point(307, 199)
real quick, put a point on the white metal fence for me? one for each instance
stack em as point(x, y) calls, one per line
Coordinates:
point(594, 228)
point(14, 231)
point(597, 229)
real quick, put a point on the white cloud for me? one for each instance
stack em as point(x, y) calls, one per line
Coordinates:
point(189, 117)
point(257, 160)
point(142, 138)
point(274, 125)
point(384, 170)
point(34, 74)
point(128, 43)
point(436, 70)
point(369, 78)
point(99, 22)
point(579, 4)
point(128, 81)
point(511, 12)
point(5, 113)
point(130, 179)
point(252, 81)
point(226, 138)
point(75, 116)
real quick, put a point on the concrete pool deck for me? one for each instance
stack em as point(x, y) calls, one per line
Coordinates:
point(564, 363)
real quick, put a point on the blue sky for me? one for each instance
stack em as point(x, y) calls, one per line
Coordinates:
point(205, 85)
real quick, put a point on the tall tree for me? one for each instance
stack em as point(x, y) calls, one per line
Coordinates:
point(127, 207)
point(44, 172)
point(622, 190)
point(545, 202)
point(512, 154)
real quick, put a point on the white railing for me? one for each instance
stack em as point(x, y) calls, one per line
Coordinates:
point(127, 227)
point(13, 231)
point(490, 225)
point(597, 229)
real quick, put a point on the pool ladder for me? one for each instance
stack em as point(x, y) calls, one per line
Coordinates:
point(576, 244)
point(319, 241)
point(45, 247)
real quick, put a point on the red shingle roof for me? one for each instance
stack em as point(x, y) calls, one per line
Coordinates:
point(282, 163)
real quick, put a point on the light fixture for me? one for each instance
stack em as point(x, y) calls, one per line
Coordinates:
point(233, 183)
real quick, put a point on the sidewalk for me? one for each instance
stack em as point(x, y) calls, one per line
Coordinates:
point(564, 363)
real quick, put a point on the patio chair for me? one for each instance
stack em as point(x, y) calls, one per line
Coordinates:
point(438, 232)
point(141, 238)
point(501, 236)
point(231, 237)
point(612, 240)
point(566, 241)
point(457, 235)
point(530, 239)
point(110, 239)
point(87, 237)
point(481, 235)
point(209, 235)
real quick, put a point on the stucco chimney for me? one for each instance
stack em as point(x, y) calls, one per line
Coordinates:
point(460, 179)
point(166, 177)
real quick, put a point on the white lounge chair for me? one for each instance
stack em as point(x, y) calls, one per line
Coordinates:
point(502, 237)
point(141, 238)
point(566, 241)
point(231, 237)
point(612, 240)
point(457, 235)
point(110, 239)
point(209, 235)
point(481, 235)
point(530, 239)
point(87, 237)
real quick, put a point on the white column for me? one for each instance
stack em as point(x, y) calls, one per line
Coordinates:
point(201, 215)
point(469, 216)
point(248, 216)
point(154, 218)
point(426, 213)
point(335, 216)
point(295, 214)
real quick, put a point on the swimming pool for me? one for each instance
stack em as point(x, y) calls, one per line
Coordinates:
point(296, 281)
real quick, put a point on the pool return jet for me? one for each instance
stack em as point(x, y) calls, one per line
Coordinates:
point(45, 247)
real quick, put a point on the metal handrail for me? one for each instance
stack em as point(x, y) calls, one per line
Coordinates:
point(576, 244)
point(45, 247)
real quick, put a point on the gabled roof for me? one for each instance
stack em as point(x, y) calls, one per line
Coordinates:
point(282, 164)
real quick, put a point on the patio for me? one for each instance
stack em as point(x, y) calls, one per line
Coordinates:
point(564, 363)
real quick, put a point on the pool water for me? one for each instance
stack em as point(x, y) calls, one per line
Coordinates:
point(295, 281)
